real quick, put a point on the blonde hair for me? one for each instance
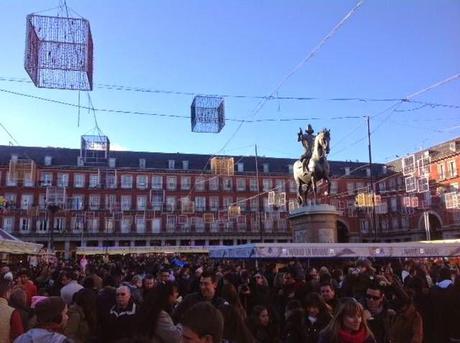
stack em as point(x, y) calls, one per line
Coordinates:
point(348, 306)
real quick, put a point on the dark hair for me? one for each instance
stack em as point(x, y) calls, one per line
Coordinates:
point(256, 311)
point(315, 300)
point(49, 310)
point(209, 274)
point(156, 301)
point(327, 283)
point(204, 319)
point(235, 329)
point(444, 274)
point(86, 299)
point(5, 286)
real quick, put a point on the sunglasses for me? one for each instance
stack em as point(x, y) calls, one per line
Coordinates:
point(373, 297)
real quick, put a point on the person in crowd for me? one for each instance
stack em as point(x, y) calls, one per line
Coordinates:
point(70, 285)
point(327, 291)
point(235, 329)
point(51, 314)
point(164, 275)
point(208, 286)
point(230, 294)
point(318, 315)
point(294, 328)
point(453, 310)
point(348, 325)
point(136, 288)
point(148, 284)
point(121, 319)
point(91, 272)
point(18, 300)
point(82, 323)
point(155, 321)
point(439, 299)
point(407, 326)
point(28, 285)
point(261, 326)
point(260, 292)
point(202, 323)
point(11, 325)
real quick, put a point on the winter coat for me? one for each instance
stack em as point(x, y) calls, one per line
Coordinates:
point(42, 336)
point(407, 327)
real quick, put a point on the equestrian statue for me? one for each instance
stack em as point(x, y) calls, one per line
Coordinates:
point(312, 165)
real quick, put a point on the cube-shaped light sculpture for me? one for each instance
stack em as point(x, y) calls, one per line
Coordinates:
point(208, 114)
point(59, 52)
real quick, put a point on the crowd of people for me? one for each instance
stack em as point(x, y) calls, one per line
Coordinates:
point(172, 299)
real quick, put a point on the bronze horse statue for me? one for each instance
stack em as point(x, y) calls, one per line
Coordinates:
point(317, 169)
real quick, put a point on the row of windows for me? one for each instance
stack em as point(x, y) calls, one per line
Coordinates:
point(156, 201)
point(127, 225)
point(110, 180)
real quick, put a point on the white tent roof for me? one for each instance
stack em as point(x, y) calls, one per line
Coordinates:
point(12, 245)
point(420, 249)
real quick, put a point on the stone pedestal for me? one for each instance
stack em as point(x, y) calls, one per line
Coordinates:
point(314, 224)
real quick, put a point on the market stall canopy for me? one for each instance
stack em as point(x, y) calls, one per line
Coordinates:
point(447, 248)
point(12, 245)
point(195, 249)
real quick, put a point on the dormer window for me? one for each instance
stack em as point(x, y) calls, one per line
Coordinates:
point(112, 162)
point(240, 167)
point(48, 160)
point(347, 170)
point(171, 164)
point(185, 165)
point(142, 163)
point(266, 167)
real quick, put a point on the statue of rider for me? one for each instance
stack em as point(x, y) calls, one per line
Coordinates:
point(307, 139)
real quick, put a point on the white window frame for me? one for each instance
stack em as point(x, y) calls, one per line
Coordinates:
point(200, 203)
point(142, 181)
point(94, 202)
point(157, 182)
point(171, 183)
point(46, 179)
point(63, 179)
point(126, 202)
point(141, 202)
point(200, 182)
point(94, 181)
point(79, 180)
point(241, 184)
point(213, 183)
point(185, 183)
point(27, 201)
point(126, 181)
point(25, 224)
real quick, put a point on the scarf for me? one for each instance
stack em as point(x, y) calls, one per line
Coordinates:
point(352, 337)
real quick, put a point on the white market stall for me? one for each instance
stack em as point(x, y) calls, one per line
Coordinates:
point(120, 250)
point(422, 249)
point(12, 245)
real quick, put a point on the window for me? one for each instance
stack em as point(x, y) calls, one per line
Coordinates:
point(110, 201)
point(79, 180)
point(441, 171)
point(142, 163)
point(24, 224)
point(214, 183)
point(393, 204)
point(126, 202)
point(140, 225)
point(42, 201)
point(214, 203)
point(452, 168)
point(111, 180)
point(141, 202)
point(292, 186)
point(334, 187)
point(200, 204)
point(48, 160)
point(59, 224)
point(10, 181)
point(42, 225)
point(77, 202)
point(242, 203)
point(280, 186)
point(200, 183)
point(157, 182)
point(347, 170)
point(240, 167)
point(28, 182)
point(126, 181)
point(109, 225)
point(27, 201)
point(185, 165)
point(170, 204)
point(227, 184)
point(227, 201)
point(156, 225)
point(253, 185)
point(112, 162)
point(171, 182)
point(350, 188)
point(290, 169)
point(241, 184)
point(171, 164)
point(157, 201)
point(267, 185)
point(94, 181)
point(63, 180)
point(125, 225)
point(254, 203)
point(364, 225)
point(266, 168)
point(185, 183)
point(93, 225)
point(170, 223)
point(141, 181)
point(46, 179)
point(394, 223)
point(8, 223)
point(94, 201)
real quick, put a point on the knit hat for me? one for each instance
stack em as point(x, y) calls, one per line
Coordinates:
point(49, 310)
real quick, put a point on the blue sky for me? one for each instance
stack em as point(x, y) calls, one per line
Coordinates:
point(388, 49)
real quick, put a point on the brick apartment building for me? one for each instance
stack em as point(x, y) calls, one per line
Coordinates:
point(124, 198)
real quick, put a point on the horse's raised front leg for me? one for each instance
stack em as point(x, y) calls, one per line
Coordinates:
point(300, 200)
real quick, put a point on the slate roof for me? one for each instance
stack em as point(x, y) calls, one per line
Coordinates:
point(67, 158)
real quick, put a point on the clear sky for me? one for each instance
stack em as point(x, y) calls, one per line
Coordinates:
point(387, 49)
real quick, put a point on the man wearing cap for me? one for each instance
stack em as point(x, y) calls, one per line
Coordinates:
point(307, 139)
point(51, 320)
